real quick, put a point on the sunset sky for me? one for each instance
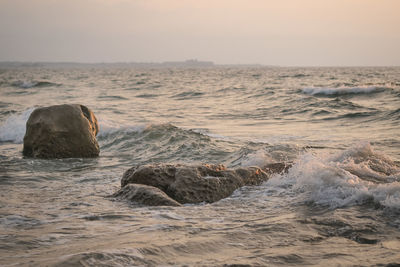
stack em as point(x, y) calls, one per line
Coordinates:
point(279, 32)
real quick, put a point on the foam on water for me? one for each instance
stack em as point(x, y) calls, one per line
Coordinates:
point(13, 128)
point(109, 127)
point(352, 177)
point(259, 159)
point(342, 90)
point(25, 84)
point(206, 132)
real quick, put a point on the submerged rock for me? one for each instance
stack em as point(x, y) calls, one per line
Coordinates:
point(146, 195)
point(194, 184)
point(62, 131)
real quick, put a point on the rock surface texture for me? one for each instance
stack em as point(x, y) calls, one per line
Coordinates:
point(145, 195)
point(194, 184)
point(62, 131)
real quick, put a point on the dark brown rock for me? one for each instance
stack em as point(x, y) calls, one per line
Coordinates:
point(194, 184)
point(62, 131)
point(145, 195)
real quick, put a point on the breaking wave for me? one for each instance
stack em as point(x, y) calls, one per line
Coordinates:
point(355, 176)
point(13, 128)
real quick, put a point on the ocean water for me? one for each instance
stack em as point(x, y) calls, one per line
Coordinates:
point(338, 205)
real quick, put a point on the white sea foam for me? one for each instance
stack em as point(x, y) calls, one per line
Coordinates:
point(206, 132)
point(347, 178)
point(25, 84)
point(341, 90)
point(259, 158)
point(108, 127)
point(13, 128)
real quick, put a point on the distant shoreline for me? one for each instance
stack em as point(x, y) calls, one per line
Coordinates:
point(166, 64)
point(154, 65)
point(192, 63)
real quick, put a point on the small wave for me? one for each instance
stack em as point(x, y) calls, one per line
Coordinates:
point(146, 95)
point(18, 221)
point(188, 95)
point(124, 257)
point(206, 132)
point(115, 97)
point(297, 75)
point(301, 75)
point(231, 89)
point(4, 105)
point(343, 90)
point(109, 127)
point(13, 129)
point(31, 84)
point(394, 114)
point(355, 176)
point(161, 143)
point(353, 115)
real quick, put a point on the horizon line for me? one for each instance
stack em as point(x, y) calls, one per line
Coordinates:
point(181, 63)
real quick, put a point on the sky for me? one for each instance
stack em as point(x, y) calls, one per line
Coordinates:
point(270, 32)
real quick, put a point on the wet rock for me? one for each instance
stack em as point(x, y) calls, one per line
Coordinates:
point(145, 195)
point(194, 184)
point(62, 131)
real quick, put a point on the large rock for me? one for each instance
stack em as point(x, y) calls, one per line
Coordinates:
point(62, 131)
point(145, 195)
point(194, 184)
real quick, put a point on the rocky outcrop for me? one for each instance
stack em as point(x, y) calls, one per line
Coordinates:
point(62, 131)
point(194, 184)
point(145, 195)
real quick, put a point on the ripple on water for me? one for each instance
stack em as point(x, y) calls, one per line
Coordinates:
point(18, 221)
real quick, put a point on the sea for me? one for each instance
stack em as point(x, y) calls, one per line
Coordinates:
point(338, 205)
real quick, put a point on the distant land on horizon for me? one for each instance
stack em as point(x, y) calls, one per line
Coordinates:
point(191, 63)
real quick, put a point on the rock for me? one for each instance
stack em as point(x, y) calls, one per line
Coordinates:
point(194, 184)
point(146, 195)
point(62, 131)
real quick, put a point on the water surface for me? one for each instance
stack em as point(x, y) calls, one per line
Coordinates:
point(338, 205)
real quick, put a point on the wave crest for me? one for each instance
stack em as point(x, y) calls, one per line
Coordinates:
point(343, 90)
point(356, 176)
point(31, 84)
point(14, 127)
